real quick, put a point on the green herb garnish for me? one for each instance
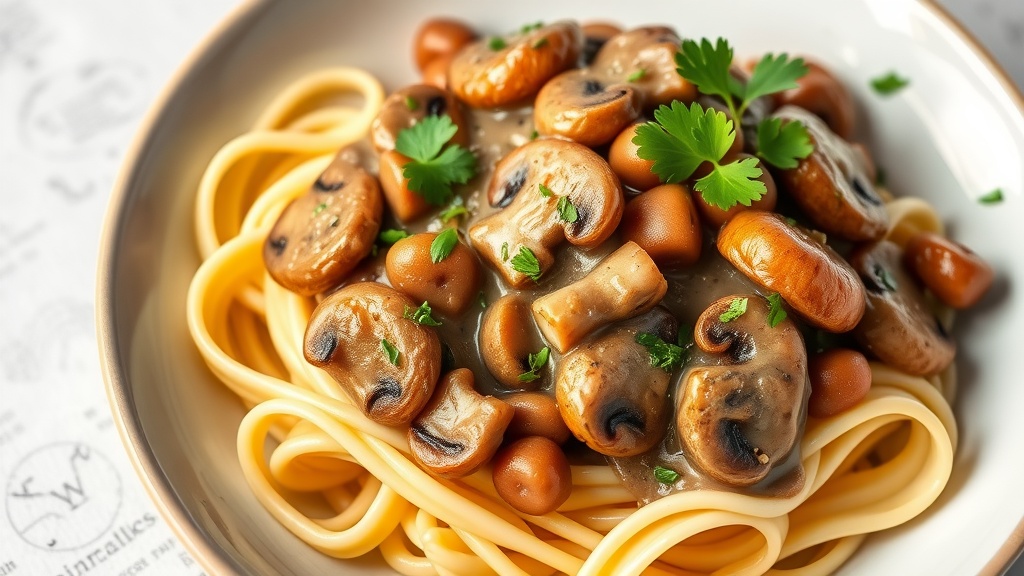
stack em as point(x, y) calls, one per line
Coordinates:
point(421, 315)
point(776, 313)
point(737, 308)
point(456, 209)
point(545, 191)
point(993, 197)
point(889, 83)
point(390, 351)
point(411, 103)
point(665, 475)
point(433, 167)
point(319, 208)
point(637, 76)
point(566, 211)
point(525, 262)
point(391, 235)
point(783, 144)
point(664, 355)
point(536, 362)
point(886, 278)
point(540, 43)
point(482, 299)
point(443, 244)
point(527, 28)
point(496, 43)
point(504, 251)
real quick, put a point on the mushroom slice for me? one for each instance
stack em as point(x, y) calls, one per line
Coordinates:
point(822, 94)
point(784, 258)
point(459, 430)
point(610, 395)
point(346, 336)
point(645, 57)
point(497, 71)
point(585, 107)
point(740, 413)
point(532, 220)
point(898, 327)
point(323, 234)
point(625, 284)
point(832, 185)
point(406, 107)
point(507, 339)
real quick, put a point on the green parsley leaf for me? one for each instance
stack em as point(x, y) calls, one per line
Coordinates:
point(457, 209)
point(391, 235)
point(527, 28)
point(665, 476)
point(319, 208)
point(496, 43)
point(411, 103)
point(776, 313)
point(737, 308)
point(772, 74)
point(540, 43)
point(534, 135)
point(504, 251)
point(783, 145)
point(421, 315)
point(545, 191)
point(993, 197)
point(432, 171)
point(889, 83)
point(536, 362)
point(390, 351)
point(525, 262)
point(663, 354)
point(706, 66)
point(886, 278)
point(566, 211)
point(443, 244)
point(637, 76)
point(731, 184)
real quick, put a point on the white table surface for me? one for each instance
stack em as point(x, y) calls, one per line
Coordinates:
point(75, 79)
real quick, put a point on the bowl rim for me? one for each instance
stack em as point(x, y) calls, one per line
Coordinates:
point(214, 559)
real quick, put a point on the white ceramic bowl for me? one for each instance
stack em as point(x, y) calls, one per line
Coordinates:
point(954, 134)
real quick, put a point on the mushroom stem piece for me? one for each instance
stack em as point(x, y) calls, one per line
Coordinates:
point(459, 430)
point(345, 337)
point(608, 392)
point(625, 284)
point(740, 415)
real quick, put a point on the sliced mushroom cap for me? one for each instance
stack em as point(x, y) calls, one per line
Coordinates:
point(625, 284)
point(323, 234)
point(498, 72)
point(345, 336)
point(740, 413)
point(784, 258)
point(585, 107)
point(898, 327)
point(507, 338)
point(450, 285)
point(822, 94)
point(646, 54)
point(531, 219)
point(406, 107)
point(954, 274)
point(610, 395)
point(459, 430)
point(832, 185)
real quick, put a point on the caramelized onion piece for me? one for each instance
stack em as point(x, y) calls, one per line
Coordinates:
point(459, 430)
point(741, 415)
point(344, 337)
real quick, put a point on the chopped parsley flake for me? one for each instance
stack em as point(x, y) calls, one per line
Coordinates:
point(545, 191)
point(496, 43)
point(526, 263)
point(737, 308)
point(637, 76)
point(566, 211)
point(443, 244)
point(390, 351)
point(663, 354)
point(665, 475)
point(890, 83)
point(776, 313)
point(391, 235)
point(993, 197)
point(536, 362)
point(411, 103)
point(421, 315)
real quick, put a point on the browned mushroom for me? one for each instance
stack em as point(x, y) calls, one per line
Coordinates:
point(740, 409)
point(951, 271)
point(440, 38)
point(832, 185)
point(898, 327)
point(784, 258)
point(585, 107)
point(323, 234)
point(450, 285)
point(406, 107)
point(387, 364)
point(499, 71)
point(645, 57)
point(715, 216)
point(532, 475)
point(536, 414)
point(507, 338)
point(532, 220)
point(595, 35)
point(664, 222)
point(609, 393)
point(405, 204)
point(459, 430)
point(825, 96)
point(625, 284)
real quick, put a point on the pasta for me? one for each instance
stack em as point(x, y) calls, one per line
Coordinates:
point(866, 469)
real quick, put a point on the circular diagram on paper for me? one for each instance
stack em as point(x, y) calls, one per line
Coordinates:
point(63, 496)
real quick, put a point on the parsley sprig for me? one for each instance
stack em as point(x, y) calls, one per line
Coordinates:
point(536, 362)
point(664, 355)
point(421, 315)
point(737, 308)
point(776, 313)
point(434, 167)
point(525, 262)
point(665, 475)
point(783, 144)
